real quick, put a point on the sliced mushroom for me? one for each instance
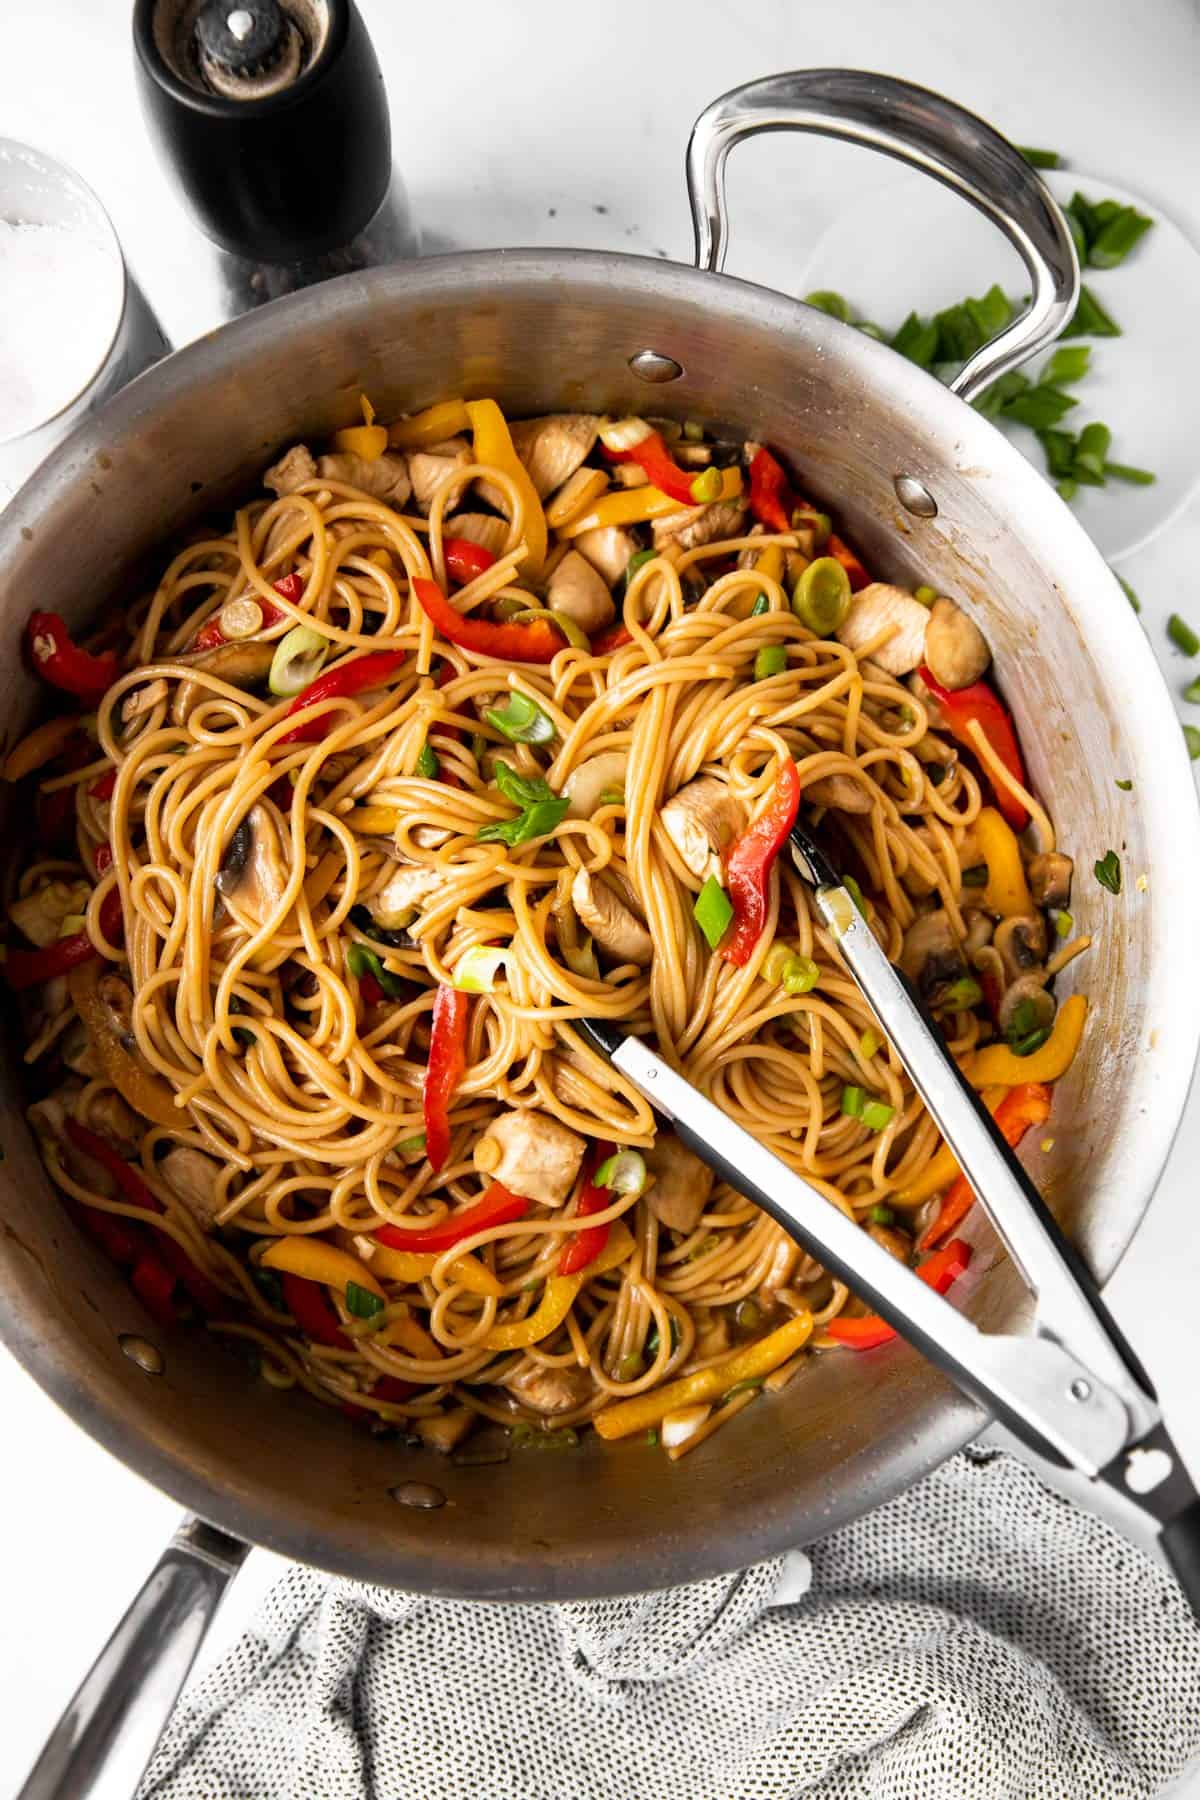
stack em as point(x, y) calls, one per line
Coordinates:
point(485, 529)
point(608, 548)
point(195, 1180)
point(1050, 876)
point(979, 930)
point(877, 607)
point(586, 784)
point(614, 926)
point(701, 820)
point(104, 1002)
point(932, 956)
point(956, 651)
point(531, 1153)
point(1021, 944)
point(254, 872)
point(580, 592)
point(682, 1183)
point(429, 469)
point(244, 664)
point(550, 1390)
point(1028, 993)
point(383, 477)
point(444, 1432)
point(841, 793)
point(402, 893)
point(39, 914)
point(553, 447)
point(696, 525)
point(896, 1243)
point(294, 468)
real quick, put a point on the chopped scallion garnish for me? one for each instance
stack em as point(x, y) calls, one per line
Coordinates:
point(476, 971)
point(761, 605)
point(361, 1303)
point(624, 1172)
point(856, 894)
point(869, 1043)
point(713, 911)
point(1192, 691)
point(853, 1100)
point(1040, 159)
point(1182, 635)
point(1191, 737)
point(521, 720)
point(771, 660)
point(427, 762)
point(963, 994)
point(882, 1215)
point(877, 1115)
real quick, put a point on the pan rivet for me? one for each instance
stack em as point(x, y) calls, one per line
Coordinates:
point(418, 1493)
point(915, 497)
point(1081, 1389)
point(651, 365)
point(147, 1356)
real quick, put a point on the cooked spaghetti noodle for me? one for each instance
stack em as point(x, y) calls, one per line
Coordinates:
point(314, 1033)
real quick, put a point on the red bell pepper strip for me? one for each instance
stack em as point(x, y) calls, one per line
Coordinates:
point(444, 1070)
point(749, 862)
point(613, 637)
point(660, 468)
point(1020, 1108)
point(465, 560)
point(105, 787)
point(495, 1206)
point(389, 1388)
point(102, 858)
point(537, 642)
point(345, 678)
point(210, 635)
point(154, 1285)
point(937, 1271)
point(770, 493)
point(63, 664)
point(28, 968)
point(980, 704)
point(309, 1305)
point(586, 1246)
point(370, 989)
point(841, 551)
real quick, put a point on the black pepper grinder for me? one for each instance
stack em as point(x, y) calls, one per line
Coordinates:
point(274, 117)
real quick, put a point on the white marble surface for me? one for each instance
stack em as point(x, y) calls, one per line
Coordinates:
point(527, 122)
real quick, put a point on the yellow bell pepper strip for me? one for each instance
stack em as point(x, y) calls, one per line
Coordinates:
point(367, 440)
point(558, 1296)
point(42, 745)
point(494, 446)
point(315, 1260)
point(942, 1168)
point(415, 1265)
point(432, 426)
point(1007, 890)
point(633, 506)
point(750, 1364)
point(374, 821)
point(409, 1334)
point(996, 1065)
point(1020, 1108)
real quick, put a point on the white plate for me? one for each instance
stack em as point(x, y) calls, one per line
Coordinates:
point(912, 244)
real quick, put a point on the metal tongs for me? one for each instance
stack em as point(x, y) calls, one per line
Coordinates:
point(1073, 1391)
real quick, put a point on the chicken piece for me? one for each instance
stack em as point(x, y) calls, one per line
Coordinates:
point(841, 793)
point(195, 1180)
point(682, 1183)
point(696, 525)
point(294, 468)
point(701, 820)
point(580, 592)
point(614, 926)
point(39, 914)
point(480, 528)
point(879, 606)
point(532, 1154)
point(553, 447)
point(608, 548)
point(383, 477)
point(444, 1432)
point(550, 1391)
point(402, 893)
point(956, 651)
point(254, 872)
point(428, 469)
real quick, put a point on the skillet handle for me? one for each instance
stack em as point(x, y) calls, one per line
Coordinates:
point(106, 1737)
point(929, 133)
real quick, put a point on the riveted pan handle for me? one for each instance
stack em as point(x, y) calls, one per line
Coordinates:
point(929, 133)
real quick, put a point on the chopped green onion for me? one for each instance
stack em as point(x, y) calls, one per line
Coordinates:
point(877, 1115)
point(869, 1043)
point(1108, 871)
point(637, 561)
point(652, 1437)
point(476, 972)
point(1039, 407)
point(750, 1386)
point(775, 962)
point(707, 486)
point(577, 639)
point(478, 744)
point(297, 661)
point(771, 660)
point(412, 1146)
point(821, 598)
point(1117, 237)
point(542, 811)
point(975, 876)
point(882, 1215)
point(1059, 449)
point(631, 1365)
point(1027, 1045)
point(1067, 489)
point(1023, 1022)
point(427, 762)
point(536, 1437)
point(361, 1303)
point(693, 431)
point(800, 975)
point(856, 894)
point(917, 339)
point(871, 330)
point(613, 796)
point(826, 301)
point(653, 1341)
point(853, 1100)
point(360, 961)
point(1191, 737)
point(1182, 635)
point(1192, 691)
point(521, 720)
point(1040, 159)
point(1069, 363)
point(1129, 593)
point(925, 594)
point(1090, 319)
point(1064, 923)
point(1126, 472)
point(761, 605)
point(704, 1247)
point(713, 911)
point(624, 1172)
point(1091, 450)
point(1125, 786)
point(963, 994)
point(747, 1315)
